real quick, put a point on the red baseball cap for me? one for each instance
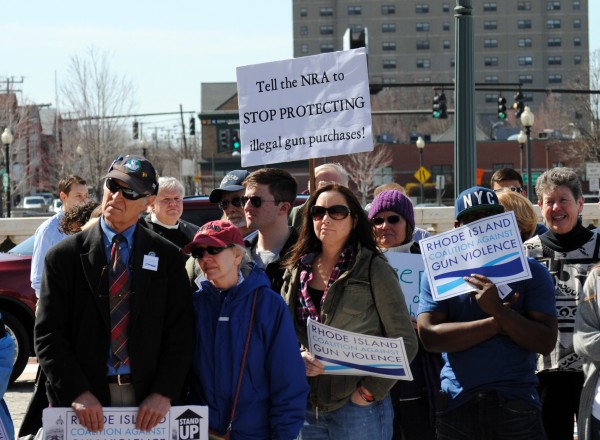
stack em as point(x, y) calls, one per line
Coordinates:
point(217, 233)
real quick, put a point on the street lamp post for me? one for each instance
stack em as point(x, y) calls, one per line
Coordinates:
point(7, 139)
point(421, 147)
point(527, 120)
point(522, 139)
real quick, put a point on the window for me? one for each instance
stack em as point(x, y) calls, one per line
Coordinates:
point(490, 7)
point(523, 24)
point(553, 6)
point(577, 24)
point(354, 10)
point(422, 9)
point(389, 80)
point(388, 27)
point(303, 12)
point(303, 30)
point(327, 47)
point(326, 30)
point(525, 61)
point(552, 24)
point(388, 9)
point(446, 44)
point(423, 63)
point(524, 42)
point(389, 64)
point(554, 61)
point(490, 61)
point(491, 79)
point(526, 79)
point(576, 5)
point(446, 26)
point(554, 42)
point(524, 6)
point(490, 43)
point(528, 97)
point(445, 7)
point(326, 12)
point(423, 45)
point(356, 28)
point(490, 25)
point(576, 41)
point(452, 62)
point(388, 45)
point(491, 98)
point(555, 79)
point(422, 27)
point(304, 48)
point(577, 59)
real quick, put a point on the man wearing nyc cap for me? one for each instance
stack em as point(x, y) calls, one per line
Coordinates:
point(489, 345)
point(73, 327)
point(227, 196)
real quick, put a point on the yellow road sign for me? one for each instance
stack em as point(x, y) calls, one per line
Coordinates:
point(422, 175)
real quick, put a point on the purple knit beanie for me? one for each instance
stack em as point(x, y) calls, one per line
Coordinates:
point(393, 200)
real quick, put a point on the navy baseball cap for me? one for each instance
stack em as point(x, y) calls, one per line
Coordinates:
point(137, 172)
point(476, 199)
point(231, 182)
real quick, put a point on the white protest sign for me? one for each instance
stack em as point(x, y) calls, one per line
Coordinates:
point(180, 423)
point(347, 353)
point(409, 268)
point(491, 247)
point(307, 107)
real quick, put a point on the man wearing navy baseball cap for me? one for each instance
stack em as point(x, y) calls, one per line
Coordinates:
point(228, 196)
point(489, 346)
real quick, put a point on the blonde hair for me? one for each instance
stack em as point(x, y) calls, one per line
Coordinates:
point(523, 209)
point(388, 187)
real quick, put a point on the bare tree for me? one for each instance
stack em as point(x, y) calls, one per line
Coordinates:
point(364, 168)
point(92, 97)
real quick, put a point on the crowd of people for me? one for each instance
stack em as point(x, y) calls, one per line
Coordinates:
point(139, 308)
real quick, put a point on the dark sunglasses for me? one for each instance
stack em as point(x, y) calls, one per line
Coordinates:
point(336, 212)
point(516, 189)
point(392, 220)
point(199, 251)
point(128, 193)
point(255, 201)
point(236, 201)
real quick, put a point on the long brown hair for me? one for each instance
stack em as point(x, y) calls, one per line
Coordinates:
point(308, 242)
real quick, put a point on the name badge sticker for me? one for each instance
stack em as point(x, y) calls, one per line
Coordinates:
point(150, 262)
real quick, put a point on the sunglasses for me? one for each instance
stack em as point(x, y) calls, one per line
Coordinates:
point(236, 201)
point(255, 201)
point(128, 193)
point(336, 212)
point(198, 252)
point(516, 189)
point(392, 220)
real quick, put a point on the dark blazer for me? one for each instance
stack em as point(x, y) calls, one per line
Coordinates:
point(72, 329)
point(181, 236)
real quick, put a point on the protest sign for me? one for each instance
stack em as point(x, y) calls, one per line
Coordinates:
point(304, 108)
point(491, 247)
point(347, 353)
point(409, 268)
point(180, 423)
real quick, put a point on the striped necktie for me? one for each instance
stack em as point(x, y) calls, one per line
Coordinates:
point(119, 288)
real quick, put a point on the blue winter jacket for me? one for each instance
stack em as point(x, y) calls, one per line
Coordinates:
point(7, 349)
point(272, 400)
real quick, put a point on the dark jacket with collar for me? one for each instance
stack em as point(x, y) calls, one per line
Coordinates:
point(181, 236)
point(72, 330)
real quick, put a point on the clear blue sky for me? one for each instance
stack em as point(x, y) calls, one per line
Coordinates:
point(166, 48)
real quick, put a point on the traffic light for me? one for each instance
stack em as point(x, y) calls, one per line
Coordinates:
point(501, 107)
point(440, 108)
point(192, 126)
point(136, 130)
point(519, 104)
point(224, 140)
point(235, 140)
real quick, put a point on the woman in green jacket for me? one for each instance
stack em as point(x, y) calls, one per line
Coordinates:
point(337, 276)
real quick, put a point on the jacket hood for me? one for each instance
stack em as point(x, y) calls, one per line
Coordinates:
point(254, 278)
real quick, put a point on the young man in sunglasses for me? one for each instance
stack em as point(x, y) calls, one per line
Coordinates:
point(114, 325)
point(489, 345)
point(269, 197)
point(228, 197)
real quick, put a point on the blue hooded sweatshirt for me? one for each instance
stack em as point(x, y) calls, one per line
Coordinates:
point(272, 399)
point(7, 350)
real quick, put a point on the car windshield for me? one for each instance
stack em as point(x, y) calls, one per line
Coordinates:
point(34, 200)
point(24, 248)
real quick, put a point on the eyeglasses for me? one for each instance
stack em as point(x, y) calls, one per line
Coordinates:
point(336, 212)
point(128, 193)
point(255, 201)
point(392, 220)
point(236, 201)
point(198, 252)
point(516, 189)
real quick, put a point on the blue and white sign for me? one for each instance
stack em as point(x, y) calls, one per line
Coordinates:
point(491, 247)
point(409, 268)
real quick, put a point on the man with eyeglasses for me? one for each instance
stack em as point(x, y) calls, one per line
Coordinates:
point(489, 345)
point(269, 197)
point(165, 213)
point(228, 197)
point(509, 179)
point(114, 325)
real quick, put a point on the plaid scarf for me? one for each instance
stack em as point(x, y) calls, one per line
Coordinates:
point(306, 308)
